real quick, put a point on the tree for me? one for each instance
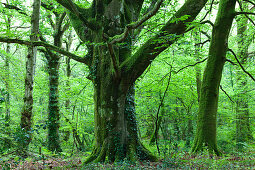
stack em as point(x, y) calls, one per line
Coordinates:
point(59, 27)
point(27, 110)
point(206, 124)
point(114, 69)
point(111, 28)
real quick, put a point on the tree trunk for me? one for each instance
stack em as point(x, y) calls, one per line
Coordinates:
point(115, 123)
point(7, 77)
point(27, 110)
point(243, 131)
point(53, 115)
point(206, 124)
point(157, 125)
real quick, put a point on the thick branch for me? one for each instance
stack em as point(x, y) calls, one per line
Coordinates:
point(135, 65)
point(129, 27)
point(114, 60)
point(241, 65)
point(46, 45)
point(74, 9)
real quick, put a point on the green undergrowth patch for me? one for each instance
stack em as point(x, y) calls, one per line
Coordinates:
point(180, 160)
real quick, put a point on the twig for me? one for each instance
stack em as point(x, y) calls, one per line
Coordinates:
point(202, 43)
point(250, 2)
point(231, 62)
point(208, 11)
point(190, 65)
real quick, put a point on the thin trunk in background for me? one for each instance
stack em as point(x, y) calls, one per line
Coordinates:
point(27, 110)
point(7, 76)
point(243, 130)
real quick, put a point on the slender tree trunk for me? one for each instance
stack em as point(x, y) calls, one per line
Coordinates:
point(206, 124)
point(243, 131)
point(27, 110)
point(198, 68)
point(7, 77)
point(156, 129)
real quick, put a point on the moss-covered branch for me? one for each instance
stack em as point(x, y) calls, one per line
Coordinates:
point(46, 45)
point(77, 11)
point(173, 29)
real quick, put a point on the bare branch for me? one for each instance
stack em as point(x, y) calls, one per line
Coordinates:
point(210, 10)
point(226, 94)
point(250, 2)
point(207, 22)
point(245, 13)
point(202, 43)
point(231, 62)
point(241, 65)
point(191, 65)
point(46, 45)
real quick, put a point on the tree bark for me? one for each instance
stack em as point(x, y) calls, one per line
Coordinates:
point(27, 110)
point(206, 124)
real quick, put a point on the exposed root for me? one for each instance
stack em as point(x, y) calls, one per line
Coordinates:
point(135, 152)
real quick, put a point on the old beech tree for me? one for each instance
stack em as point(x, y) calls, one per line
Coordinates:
point(113, 68)
point(111, 27)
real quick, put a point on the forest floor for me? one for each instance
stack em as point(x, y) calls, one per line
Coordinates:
point(177, 161)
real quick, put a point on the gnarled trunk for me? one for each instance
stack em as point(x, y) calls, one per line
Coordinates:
point(115, 123)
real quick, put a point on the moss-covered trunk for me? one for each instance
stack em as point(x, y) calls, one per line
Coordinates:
point(53, 112)
point(27, 110)
point(115, 124)
point(206, 124)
